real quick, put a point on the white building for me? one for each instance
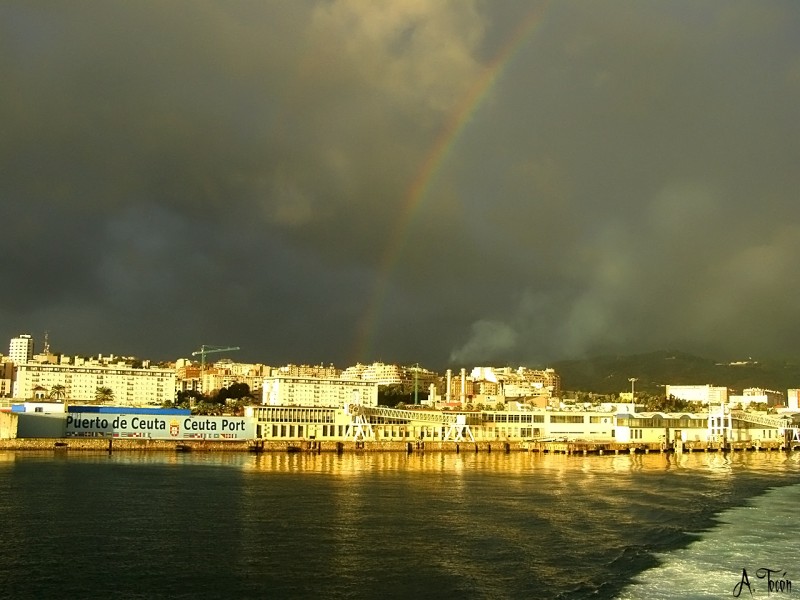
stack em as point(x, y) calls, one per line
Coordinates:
point(706, 394)
point(667, 428)
point(570, 425)
point(223, 374)
point(6, 376)
point(505, 383)
point(378, 372)
point(745, 400)
point(793, 398)
point(20, 350)
point(131, 386)
point(715, 425)
point(769, 397)
point(284, 390)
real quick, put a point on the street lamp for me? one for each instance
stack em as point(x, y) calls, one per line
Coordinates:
point(633, 380)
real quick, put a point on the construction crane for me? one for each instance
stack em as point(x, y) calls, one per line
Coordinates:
point(205, 349)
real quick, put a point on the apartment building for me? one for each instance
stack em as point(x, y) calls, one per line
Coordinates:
point(384, 374)
point(307, 371)
point(130, 386)
point(20, 349)
point(286, 390)
point(6, 376)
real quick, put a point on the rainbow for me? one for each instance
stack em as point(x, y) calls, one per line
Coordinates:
point(456, 122)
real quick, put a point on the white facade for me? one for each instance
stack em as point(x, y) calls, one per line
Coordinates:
point(284, 390)
point(655, 427)
point(224, 374)
point(747, 399)
point(519, 383)
point(134, 387)
point(793, 399)
point(378, 372)
point(331, 423)
point(773, 398)
point(580, 425)
point(43, 407)
point(20, 349)
point(6, 377)
point(706, 394)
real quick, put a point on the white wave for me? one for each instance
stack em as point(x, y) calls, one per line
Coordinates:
point(761, 535)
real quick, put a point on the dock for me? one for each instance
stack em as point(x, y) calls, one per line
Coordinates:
point(304, 446)
point(590, 447)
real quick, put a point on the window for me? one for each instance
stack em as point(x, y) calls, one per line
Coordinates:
point(566, 418)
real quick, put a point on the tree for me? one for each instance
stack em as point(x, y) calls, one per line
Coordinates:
point(238, 391)
point(220, 396)
point(653, 402)
point(58, 392)
point(393, 395)
point(103, 395)
point(190, 397)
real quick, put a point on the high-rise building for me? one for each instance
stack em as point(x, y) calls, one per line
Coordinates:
point(20, 350)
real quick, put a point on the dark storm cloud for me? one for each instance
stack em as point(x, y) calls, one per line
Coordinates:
point(180, 173)
point(655, 179)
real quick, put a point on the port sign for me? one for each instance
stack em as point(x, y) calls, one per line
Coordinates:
point(156, 427)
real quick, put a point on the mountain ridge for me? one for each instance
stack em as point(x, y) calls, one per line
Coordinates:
point(610, 374)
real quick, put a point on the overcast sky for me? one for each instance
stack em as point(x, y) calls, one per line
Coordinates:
point(444, 182)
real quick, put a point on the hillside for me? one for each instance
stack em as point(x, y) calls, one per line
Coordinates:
point(610, 374)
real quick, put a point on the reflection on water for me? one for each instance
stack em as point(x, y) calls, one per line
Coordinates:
point(358, 525)
point(356, 464)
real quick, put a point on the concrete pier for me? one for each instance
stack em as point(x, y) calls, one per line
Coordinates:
point(583, 448)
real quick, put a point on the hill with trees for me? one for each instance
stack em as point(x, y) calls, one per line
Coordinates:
point(654, 370)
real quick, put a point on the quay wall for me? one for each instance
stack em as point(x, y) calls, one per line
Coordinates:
point(127, 445)
point(311, 446)
point(103, 445)
point(8, 425)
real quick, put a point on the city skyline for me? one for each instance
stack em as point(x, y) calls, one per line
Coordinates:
point(442, 183)
point(214, 355)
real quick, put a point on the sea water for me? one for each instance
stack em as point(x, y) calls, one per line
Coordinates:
point(391, 525)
